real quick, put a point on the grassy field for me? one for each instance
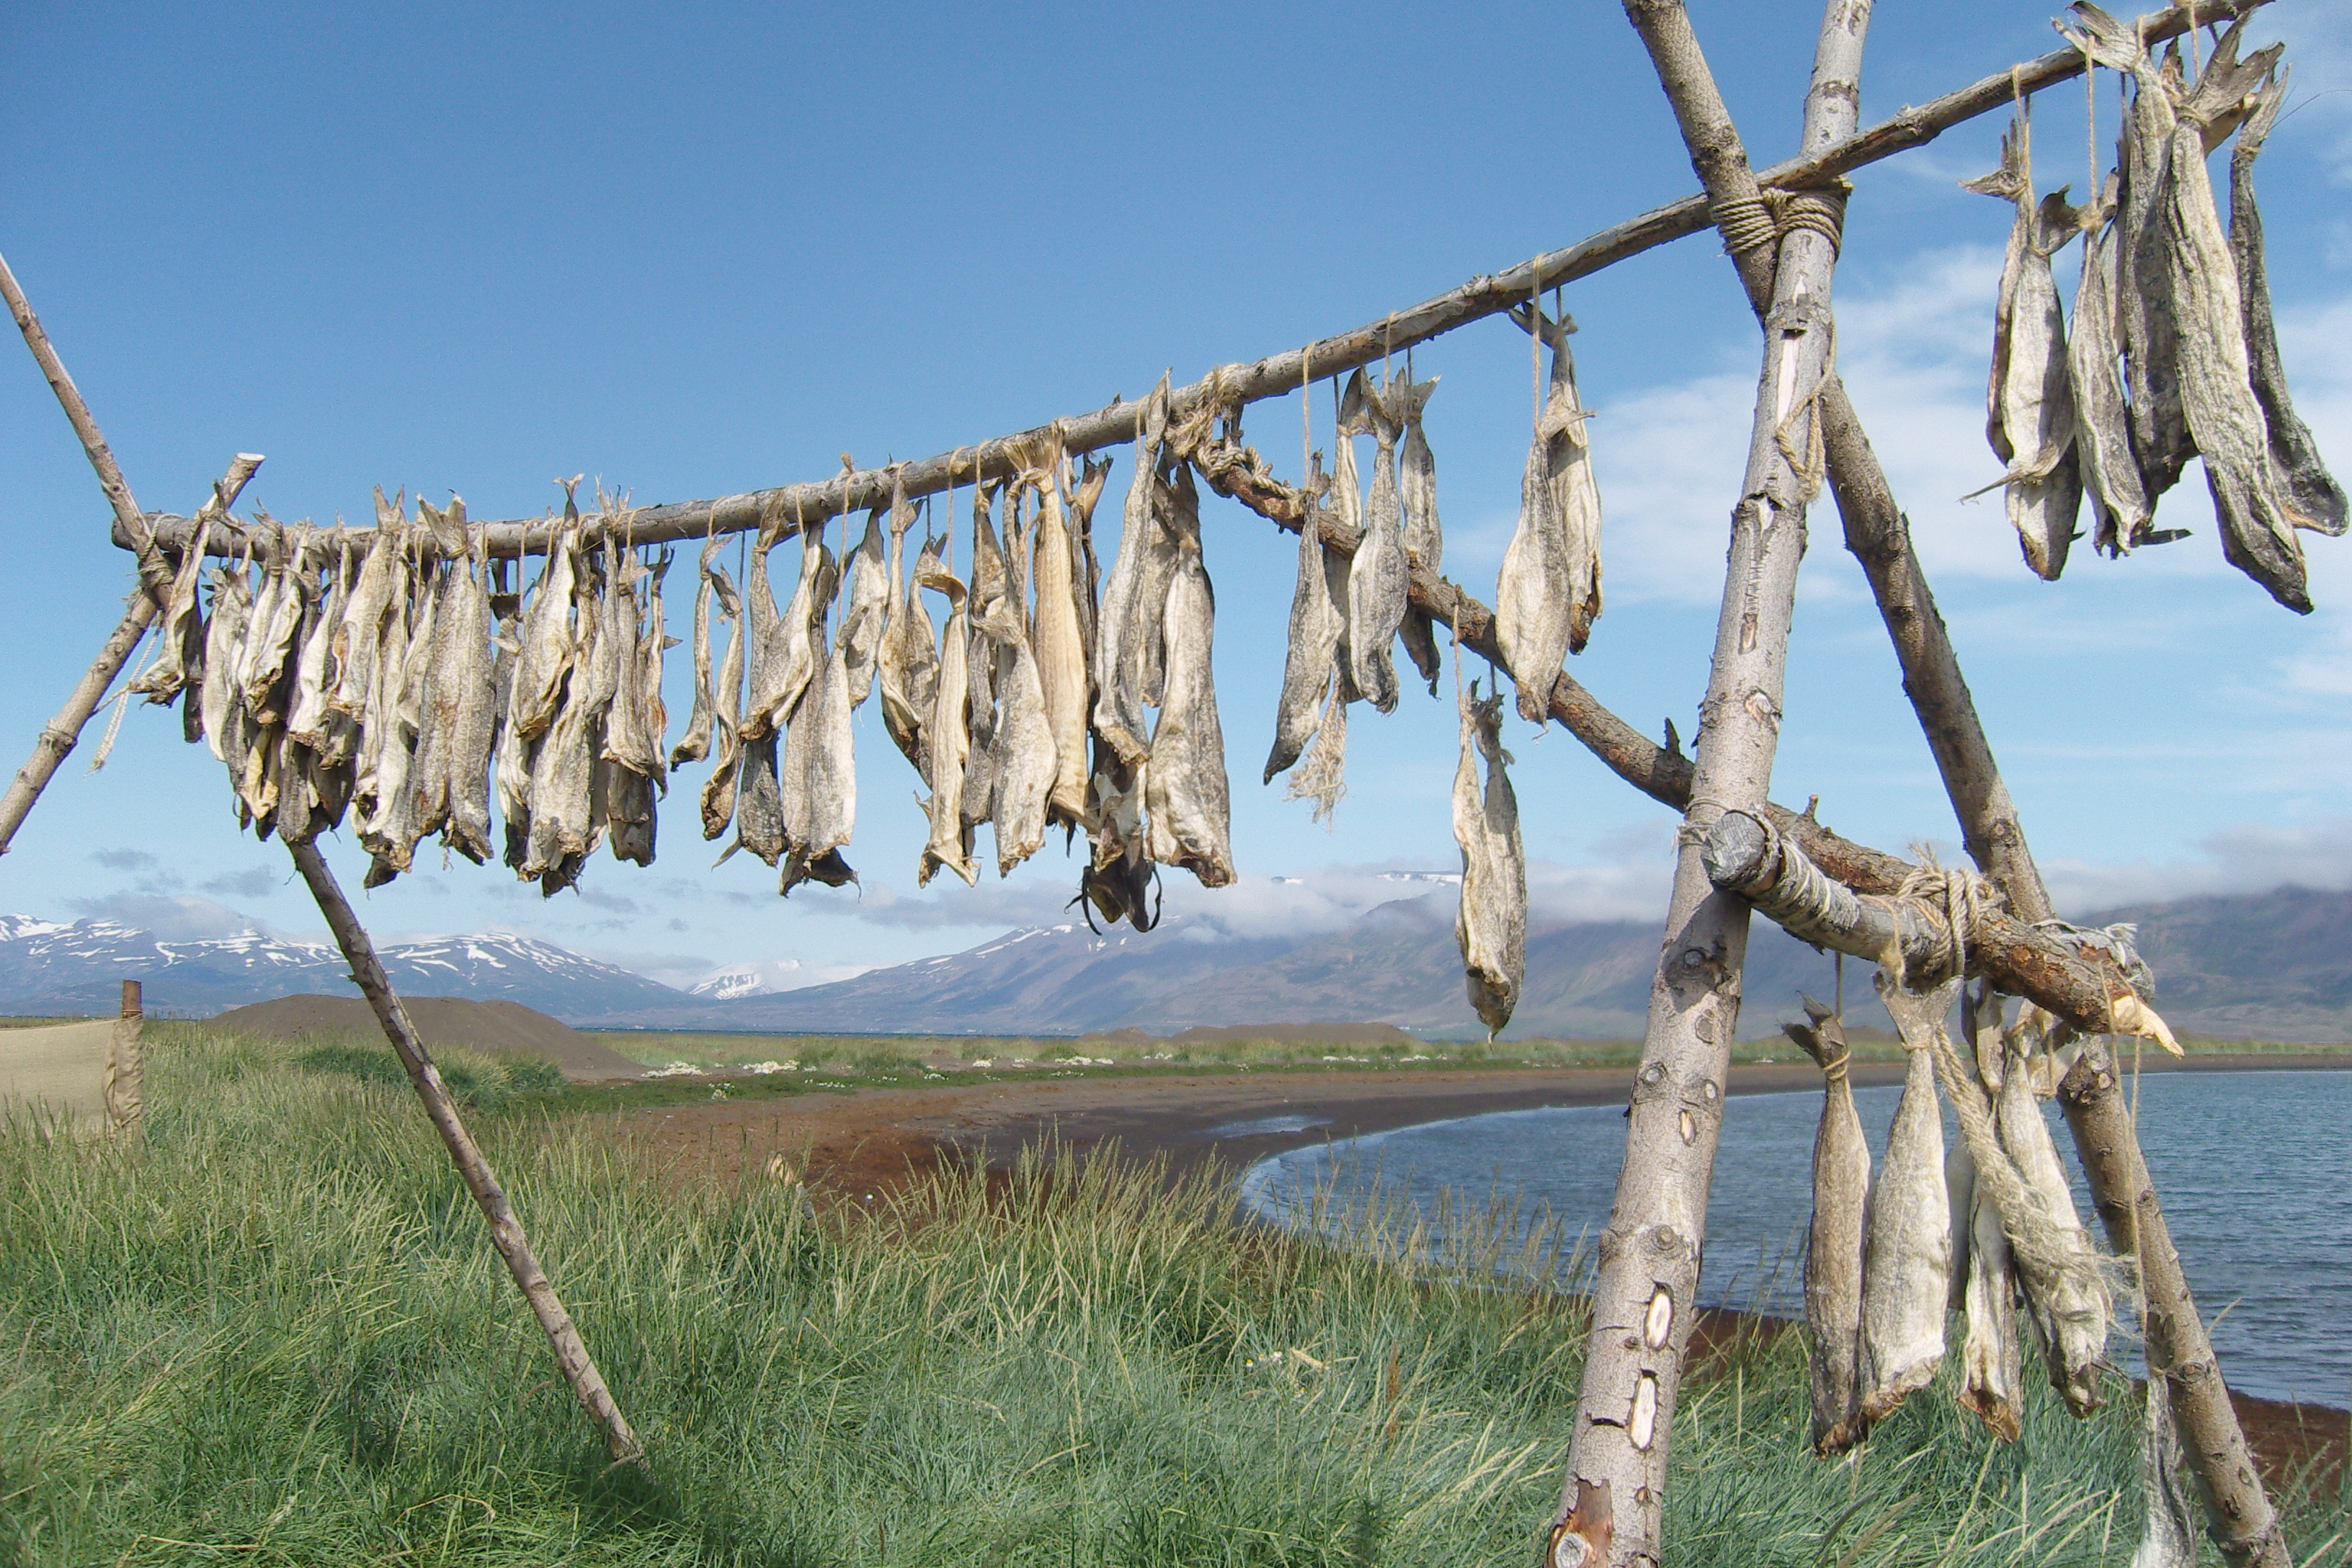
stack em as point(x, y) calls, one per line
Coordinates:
point(278, 1335)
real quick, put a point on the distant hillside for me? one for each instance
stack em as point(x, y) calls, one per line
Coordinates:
point(2263, 966)
point(78, 966)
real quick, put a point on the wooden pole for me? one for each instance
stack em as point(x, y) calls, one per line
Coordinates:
point(58, 737)
point(506, 1231)
point(126, 1070)
point(1644, 1297)
point(813, 504)
point(154, 573)
point(1879, 537)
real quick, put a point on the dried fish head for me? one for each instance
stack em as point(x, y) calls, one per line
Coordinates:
point(866, 609)
point(1380, 575)
point(1490, 924)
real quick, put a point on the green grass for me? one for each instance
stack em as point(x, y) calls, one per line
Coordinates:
point(276, 1334)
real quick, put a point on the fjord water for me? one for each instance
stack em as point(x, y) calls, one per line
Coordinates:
point(2255, 1170)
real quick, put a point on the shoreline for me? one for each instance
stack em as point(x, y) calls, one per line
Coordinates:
point(856, 1147)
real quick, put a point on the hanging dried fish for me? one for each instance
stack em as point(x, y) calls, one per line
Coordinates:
point(866, 608)
point(1135, 596)
point(2102, 421)
point(1058, 637)
point(1424, 538)
point(1085, 574)
point(435, 708)
point(1907, 1265)
point(1548, 593)
point(2028, 406)
point(986, 593)
point(314, 672)
point(820, 771)
point(2167, 1536)
point(909, 667)
point(2310, 489)
point(946, 740)
point(1833, 1241)
point(651, 648)
point(511, 755)
point(2147, 314)
point(1991, 1367)
point(467, 693)
point(1379, 575)
point(1490, 924)
point(726, 714)
point(162, 681)
point(1317, 617)
point(379, 725)
point(2250, 496)
point(549, 645)
point(779, 678)
point(270, 641)
point(693, 745)
point(1187, 805)
point(2070, 1311)
point(1022, 759)
point(627, 744)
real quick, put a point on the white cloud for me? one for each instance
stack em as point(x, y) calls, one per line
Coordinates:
point(2245, 857)
point(183, 918)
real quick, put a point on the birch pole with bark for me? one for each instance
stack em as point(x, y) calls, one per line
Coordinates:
point(506, 1231)
point(1878, 535)
point(1647, 1291)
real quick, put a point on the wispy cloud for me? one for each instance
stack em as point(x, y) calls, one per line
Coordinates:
point(2246, 858)
point(181, 919)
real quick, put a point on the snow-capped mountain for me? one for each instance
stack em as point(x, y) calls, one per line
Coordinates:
point(766, 977)
point(50, 966)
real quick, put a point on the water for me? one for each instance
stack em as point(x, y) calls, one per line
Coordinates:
point(2254, 1169)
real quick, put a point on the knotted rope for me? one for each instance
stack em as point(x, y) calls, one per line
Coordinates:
point(1751, 223)
point(1952, 899)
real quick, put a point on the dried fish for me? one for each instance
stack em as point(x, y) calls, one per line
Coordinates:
point(1490, 924)
point(909, 663)
point(945, 738)
point(727, 711)
point(695, 744)
point(655, 713)
point(2028, 406)
point(2168, 1518)
point(1834, 1242)
point(269, 642)
point(1424, 538)
point(2102, 421)
point(1548, 593)
point(1321, 776)
point(1085, 574)
point(2311, 489)
point(627, 744)
point(2160, 439)
point(2070, 1311)
point(987, 592)
point(435, 707)
point(1906, 1265)
point(1379, 575)
point(1317, 617)
point(2250, 496)
point(162, 681)
point(313, 667)
point(780, 674)
point(467, 693)
point(549, 644)
point(1058, 637)
point(1022, 760)
point(1187, 801)
point(1135, 596)
point(758, 804)
point(820, 773)
point(1984, 1272)
point(866, 609)
point(510, 754)
point(909, 667)
point(631, 815)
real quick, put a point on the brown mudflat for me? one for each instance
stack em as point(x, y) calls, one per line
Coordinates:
point(854, 1148)
point(494, 1028)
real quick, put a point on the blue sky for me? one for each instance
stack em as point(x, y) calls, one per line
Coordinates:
point(466, 248)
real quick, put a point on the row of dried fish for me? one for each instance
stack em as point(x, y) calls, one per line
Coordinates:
point(2173, 352)
point(1986, 1229)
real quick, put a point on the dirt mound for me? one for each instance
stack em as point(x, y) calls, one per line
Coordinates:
point(494, 1028)
point(1301, 1034)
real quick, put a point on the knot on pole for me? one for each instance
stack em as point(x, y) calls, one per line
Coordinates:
point(1751, 223)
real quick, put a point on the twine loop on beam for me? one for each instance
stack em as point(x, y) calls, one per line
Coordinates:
point(1751, 223)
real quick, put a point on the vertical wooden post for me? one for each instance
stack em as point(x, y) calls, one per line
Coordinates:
point(506, 1231)
point(125, 1081)
point(1646, 1295)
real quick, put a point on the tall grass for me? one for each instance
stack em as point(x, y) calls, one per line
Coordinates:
point(276, 1334)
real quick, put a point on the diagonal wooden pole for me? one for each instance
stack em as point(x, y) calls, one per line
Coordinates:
point(58, 737)
point(2238, 1510)
point(506, 1231)
point(1645, 1293)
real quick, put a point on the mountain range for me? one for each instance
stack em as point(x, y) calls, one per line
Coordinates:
point(2275, 965)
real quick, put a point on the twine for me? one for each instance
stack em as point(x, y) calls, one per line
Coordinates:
point(1953, 900)
point(1751, 223)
